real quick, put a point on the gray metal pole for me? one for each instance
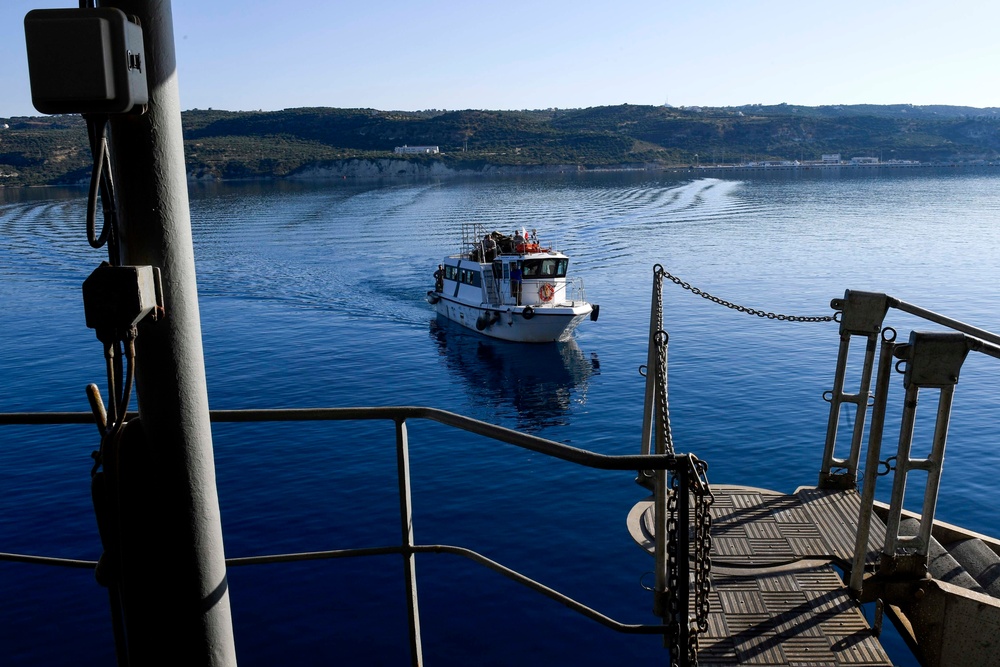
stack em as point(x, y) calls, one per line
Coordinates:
point(176, 599)
point(655, 324)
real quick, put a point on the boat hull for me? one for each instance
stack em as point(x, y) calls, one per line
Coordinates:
point(543, 324)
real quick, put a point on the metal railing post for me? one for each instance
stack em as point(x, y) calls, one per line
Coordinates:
point(861, 315)
point(933, 360)
point(660, 544)
point(661, 492)
point(655, 324)
point(872, 461)
point(406, 530)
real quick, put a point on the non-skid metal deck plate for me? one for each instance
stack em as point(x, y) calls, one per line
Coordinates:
point(776, 599)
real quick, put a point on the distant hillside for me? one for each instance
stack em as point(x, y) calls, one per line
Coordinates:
point(227, 144)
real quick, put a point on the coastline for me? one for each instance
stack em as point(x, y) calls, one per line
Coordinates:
point(362, 169)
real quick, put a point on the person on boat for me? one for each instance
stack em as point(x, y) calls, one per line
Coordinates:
point(489, 248)
point(439, 279)
point(520, 241)
point(515, 283)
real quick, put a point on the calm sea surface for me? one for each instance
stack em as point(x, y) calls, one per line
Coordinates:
point(313, 295)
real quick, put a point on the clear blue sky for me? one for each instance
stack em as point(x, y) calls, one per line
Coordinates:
point(516, 54)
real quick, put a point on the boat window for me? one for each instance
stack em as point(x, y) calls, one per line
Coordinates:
point(450, 272)
point(471, 277)
point(550, 267)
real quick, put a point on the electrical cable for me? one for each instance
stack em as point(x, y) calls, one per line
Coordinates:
point(110, 207)
point(109, 354)
point(129, 378)
point(97, 131)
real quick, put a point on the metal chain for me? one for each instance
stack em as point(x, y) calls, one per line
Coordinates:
point(662, 405)
point(742, 309)
point(703, 499)
point(660, 393)
point(658, 294)
point(673, 619)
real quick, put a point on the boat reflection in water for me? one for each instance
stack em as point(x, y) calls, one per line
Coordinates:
point(539, 381)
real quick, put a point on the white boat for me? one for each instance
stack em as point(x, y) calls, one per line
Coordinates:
point(474, 288)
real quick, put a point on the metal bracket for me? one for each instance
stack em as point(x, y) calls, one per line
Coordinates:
point(933, 359)
point(116, 298)
point(893, 589)
point(863, 312)
point(85, 61)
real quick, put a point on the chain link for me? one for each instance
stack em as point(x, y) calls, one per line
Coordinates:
point(742, 309)
point(660, 393)
point(703, 499)
point(673, 584)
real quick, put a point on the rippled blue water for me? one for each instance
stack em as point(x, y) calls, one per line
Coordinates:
point(312, 295)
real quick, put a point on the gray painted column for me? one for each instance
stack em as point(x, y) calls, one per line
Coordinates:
point(175, 591)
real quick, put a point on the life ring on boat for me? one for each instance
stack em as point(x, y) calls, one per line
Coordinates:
point(528, 312)
point(546, 292)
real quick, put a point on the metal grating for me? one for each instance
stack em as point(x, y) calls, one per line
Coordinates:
point(776, 599)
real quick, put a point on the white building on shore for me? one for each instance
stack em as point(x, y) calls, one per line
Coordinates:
point(416, 150)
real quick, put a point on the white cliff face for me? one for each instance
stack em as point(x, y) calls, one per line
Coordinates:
point(389, 168)
point(383, 168)
point(358, 169)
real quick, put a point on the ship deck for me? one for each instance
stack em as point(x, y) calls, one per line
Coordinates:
point(776, 597)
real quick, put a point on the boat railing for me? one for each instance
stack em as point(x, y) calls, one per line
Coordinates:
point(473, 234)
point(681, 467)
point(928, 361)
point(574, 291)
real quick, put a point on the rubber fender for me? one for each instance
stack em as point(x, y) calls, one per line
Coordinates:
point(433, 297)
point(481, 322)
point(528, 312)
point(978, 560)
point(595, 313)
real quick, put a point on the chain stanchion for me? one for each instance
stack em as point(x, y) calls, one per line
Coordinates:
point(683, 600)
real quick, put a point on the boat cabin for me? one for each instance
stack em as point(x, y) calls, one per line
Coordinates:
point(543, 279)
